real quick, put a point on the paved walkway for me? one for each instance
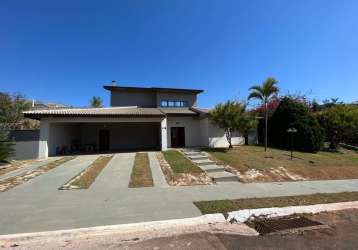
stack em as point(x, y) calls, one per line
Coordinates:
point(38, 205)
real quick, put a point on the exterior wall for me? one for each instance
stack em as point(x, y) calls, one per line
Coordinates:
point(26, 144)
point(212, 136)
point(217, 138)
point(62, 134)
point(192, 130)
point(149, 99)
point(26, 150)
point(163, 133)
point(189, 98)
point(44, 138)
point(140, 99)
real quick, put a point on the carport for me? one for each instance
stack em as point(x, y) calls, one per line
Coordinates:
point(69, 138)
point(71, 131)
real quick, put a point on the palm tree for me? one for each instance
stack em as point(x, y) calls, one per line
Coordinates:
point(96, 102)
point(265, 93)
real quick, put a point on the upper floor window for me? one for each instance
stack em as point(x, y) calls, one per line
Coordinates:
point(173, 104)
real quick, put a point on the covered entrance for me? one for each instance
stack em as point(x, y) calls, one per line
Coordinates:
point(72, 138)
point(177, 136)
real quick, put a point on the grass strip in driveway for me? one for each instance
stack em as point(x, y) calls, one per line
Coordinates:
point(22, 178)
point(225, 206)
point(141, 174)
point(85, 179)
point(179, 163)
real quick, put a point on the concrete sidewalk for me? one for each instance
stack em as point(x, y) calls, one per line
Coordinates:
point(39, 206)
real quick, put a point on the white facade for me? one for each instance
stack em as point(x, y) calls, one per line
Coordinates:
point(59, 133)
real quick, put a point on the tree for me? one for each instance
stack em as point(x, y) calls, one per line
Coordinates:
point(11, 108)
point(265, 93)
point(6, 146)
point(247, 123)
point(96, 102)
point(340, 123)
point(292, 113)
point(227, 117)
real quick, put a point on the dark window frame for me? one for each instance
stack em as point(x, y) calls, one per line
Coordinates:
point(173, 103)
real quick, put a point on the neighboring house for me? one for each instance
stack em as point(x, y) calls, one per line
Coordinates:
point(139, 118)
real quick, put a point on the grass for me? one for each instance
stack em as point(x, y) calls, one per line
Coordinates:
point(22, 178)
point(179, 163)
point(141, 174)
point(85, 179)
point(323, 165)
point(224, 206)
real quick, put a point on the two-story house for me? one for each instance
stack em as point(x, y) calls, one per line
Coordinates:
point(138, 119)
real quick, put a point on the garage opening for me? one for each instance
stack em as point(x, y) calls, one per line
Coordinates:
point(73, 138)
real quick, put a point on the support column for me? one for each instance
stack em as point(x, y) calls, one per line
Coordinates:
point(44, 137)
point(164, 134)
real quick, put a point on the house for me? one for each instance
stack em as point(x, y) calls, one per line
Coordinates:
point(138, 119)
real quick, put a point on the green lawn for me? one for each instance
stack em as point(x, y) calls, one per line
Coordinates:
point(141, 174)
point(224, 206)
point(179, 163)
point(323, 165)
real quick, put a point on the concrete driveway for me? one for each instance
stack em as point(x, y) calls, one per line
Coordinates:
point(38, 205)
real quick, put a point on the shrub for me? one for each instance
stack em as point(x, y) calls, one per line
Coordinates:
point(291, 113)
point(6, 146)
point(340, 123)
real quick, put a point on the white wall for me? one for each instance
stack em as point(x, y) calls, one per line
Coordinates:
point(26, 150)
point(202, 133)
point(192, 130)
point(217, 138)
point(62, 134)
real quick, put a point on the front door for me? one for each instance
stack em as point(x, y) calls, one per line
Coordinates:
point(103, 140)
point(178, 137)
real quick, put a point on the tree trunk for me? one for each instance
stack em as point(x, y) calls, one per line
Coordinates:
point(228, 137)
point(246, 139)
point(266, 122)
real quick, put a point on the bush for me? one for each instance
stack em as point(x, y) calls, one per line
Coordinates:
point(340, 123)
point(291, 113)
point(6, 146)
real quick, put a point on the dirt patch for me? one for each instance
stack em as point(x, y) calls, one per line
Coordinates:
point(182, 179)
point(22, 178)
point(141, 174)
point(14, 165)
point(85, 179)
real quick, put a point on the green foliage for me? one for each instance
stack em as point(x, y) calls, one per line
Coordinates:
point(96, 102)
point(340, 123)
point(293, 114)
point(230, 116)
point(11, 108)
point(266, 92)
point(6, 146)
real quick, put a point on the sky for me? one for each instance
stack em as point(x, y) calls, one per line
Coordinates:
point(65, 51)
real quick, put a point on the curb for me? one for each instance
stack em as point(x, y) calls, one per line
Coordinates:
point(245, 214)
point(121, 229)
point(177, 225)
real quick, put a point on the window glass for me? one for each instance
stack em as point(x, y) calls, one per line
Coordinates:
point(172, 103)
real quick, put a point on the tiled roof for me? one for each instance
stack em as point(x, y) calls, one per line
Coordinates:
point(94, 112)
point(178, 111)
point(112, 112)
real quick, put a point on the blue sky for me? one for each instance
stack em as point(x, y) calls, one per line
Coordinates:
point(65, 51)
